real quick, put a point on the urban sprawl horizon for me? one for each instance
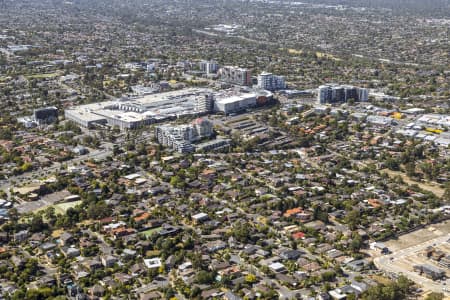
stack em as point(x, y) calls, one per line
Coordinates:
point(224, 150)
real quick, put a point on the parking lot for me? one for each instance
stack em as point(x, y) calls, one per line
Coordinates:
point(45, 201)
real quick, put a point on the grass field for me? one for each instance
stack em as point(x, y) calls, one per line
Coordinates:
point(294, 51)
point(149, 232)
point(63, 207)
point(152, 253)
point(327, 56)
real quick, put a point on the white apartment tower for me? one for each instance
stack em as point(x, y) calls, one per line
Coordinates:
point(210, 67)
point(270, 82)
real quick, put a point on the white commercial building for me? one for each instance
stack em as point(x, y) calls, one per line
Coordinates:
point(134, 113)
point(435, 120)
point(154, 108)
point(379, 120)
point(234, 103)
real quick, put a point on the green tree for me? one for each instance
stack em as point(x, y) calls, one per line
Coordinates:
point(37, 224)
point(392, 164)
point(250, 278)
point(39, 294)
point(356, 243)
point(353, 219)
point(410, 169)
point(435, 296)
point(98, 210)
point(205, 277)
point(398, 290)
point(241, 232)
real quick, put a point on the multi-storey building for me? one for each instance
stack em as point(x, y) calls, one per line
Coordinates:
point(235, 75)
point(205, 103)
point(363, 95)
point(179, 138)
point(209, 67)
point(270, 82)
point(334, 93)
point(324, 94)
point(45, 114)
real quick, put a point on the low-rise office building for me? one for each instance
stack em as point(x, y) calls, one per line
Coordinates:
point(235, 103)
point(430, 271)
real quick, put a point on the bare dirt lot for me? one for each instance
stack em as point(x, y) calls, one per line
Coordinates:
point(408, 251)
point(427, 186)
point(419, 236)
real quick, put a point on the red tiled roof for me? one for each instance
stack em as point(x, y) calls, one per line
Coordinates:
point(298, 235)
point(293, 211)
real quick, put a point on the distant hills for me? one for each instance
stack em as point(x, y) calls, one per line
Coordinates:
point(438, 7)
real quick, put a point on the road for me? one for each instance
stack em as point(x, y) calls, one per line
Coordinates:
point(392, 264)
point(33, 175)
point(102, 245)
point(284, 292)
point(105, 151)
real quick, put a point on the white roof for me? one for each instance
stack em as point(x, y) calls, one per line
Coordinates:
point(200, 216)
point(276, 266)
point(85, 114)
point(132, 176)
point(442, 141)
point(153, 263)
point(414, 110)
point(236, 98)
point(185, 265)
